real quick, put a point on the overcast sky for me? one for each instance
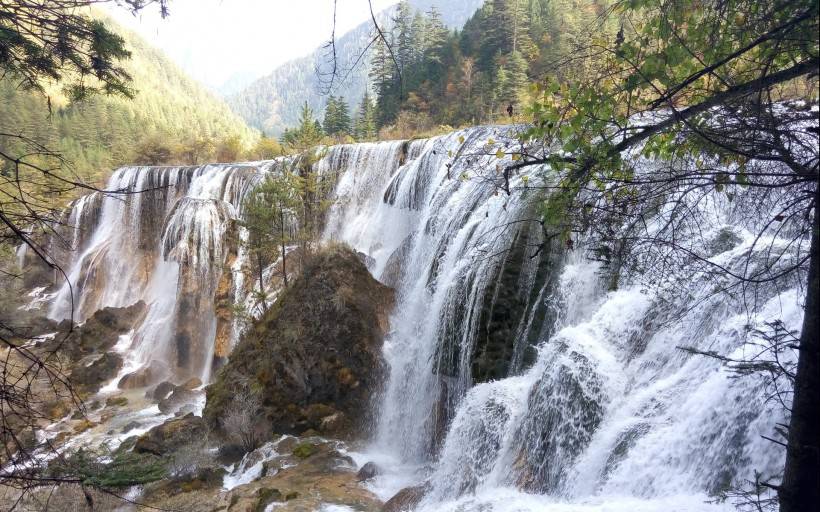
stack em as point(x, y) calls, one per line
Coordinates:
point(216, 40)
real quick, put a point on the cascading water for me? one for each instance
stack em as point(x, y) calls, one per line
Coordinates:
point(436, 238)
point(609, 412)
point(163, 243)
point(517, 381)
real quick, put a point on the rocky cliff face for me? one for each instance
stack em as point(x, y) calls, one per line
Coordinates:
point(314, 359)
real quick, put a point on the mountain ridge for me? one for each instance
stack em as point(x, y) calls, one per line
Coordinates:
point(104, 132)
point(272, 103)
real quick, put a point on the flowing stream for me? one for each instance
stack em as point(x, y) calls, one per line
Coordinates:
point(517, 381)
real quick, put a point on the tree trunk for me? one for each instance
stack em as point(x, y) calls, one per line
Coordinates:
point(284, 256)
point(261, 276)
point(800, 490)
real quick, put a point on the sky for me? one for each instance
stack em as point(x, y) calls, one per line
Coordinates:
point(217, 41)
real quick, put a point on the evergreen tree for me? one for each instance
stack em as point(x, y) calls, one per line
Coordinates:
point(384, 75)
point(330, 124)
point(269, 218)
point(365, 126)
point(307, 134)
point(337, 117)
point(514, 81)
point(343, 122)
point(405, 39)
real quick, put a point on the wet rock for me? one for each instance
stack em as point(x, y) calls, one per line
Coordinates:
point(393, 271)
point(144, 376)
point(198, 481)
point(230, 454)
point(130, 426)
point(299, 485)
point(315, 358)
point(98, 334)
point(368, 260)
point(268, 496)
point(168, 437)
point(304, 450)
point(368, 471)
point(725, 240)
point(406, 499)
point(57, 409)
point(83, 425)
point(116, 401)
point(223, 300)
point(507, 305)
point(25, 441)
point(571, 408)
point(179, 398)
point(91, 375)
point(161, 392)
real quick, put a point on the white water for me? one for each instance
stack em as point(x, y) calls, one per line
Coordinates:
point(612, 416)
point(161, 246)
point(595, 408)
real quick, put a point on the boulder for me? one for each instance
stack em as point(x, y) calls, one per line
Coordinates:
point(406, 499)
point(89, 376)
point(116, 401)
point(368, 471)
point(161, 392)
point(98, 334)
point(394, 269)
point(178, 398)
point(171, 435)
point(315, 358)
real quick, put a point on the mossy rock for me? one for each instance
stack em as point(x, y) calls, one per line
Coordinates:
point(171, 435)
point(116, 401)
point(266, 497)
point(317, 352)
point(83, 425)
point(304, 450)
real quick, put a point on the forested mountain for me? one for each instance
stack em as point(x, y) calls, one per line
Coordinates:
point(273, 103)
point(481, 73)
point(170, 114)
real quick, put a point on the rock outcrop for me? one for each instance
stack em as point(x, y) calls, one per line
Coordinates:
point(166, 438)
point(99, 333)
point(88, 345)
point(314, 359)
point(406, 499)
point(294, 479)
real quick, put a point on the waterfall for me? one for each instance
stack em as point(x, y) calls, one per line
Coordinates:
point(163, 242)
point(436, 238)
point(517, 379)
point(596, 402)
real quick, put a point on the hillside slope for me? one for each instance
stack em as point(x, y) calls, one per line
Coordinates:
point(103, 132)
point(272, 103)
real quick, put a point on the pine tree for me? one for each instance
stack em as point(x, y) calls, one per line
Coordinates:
point(515, 79)
point(331, 121)
point(269, 212)
point(307, 134)
point(435, 45)
point(405, 38)
point(337, 117)
point(384, 75)
point(365, 126)
point(343, 123)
